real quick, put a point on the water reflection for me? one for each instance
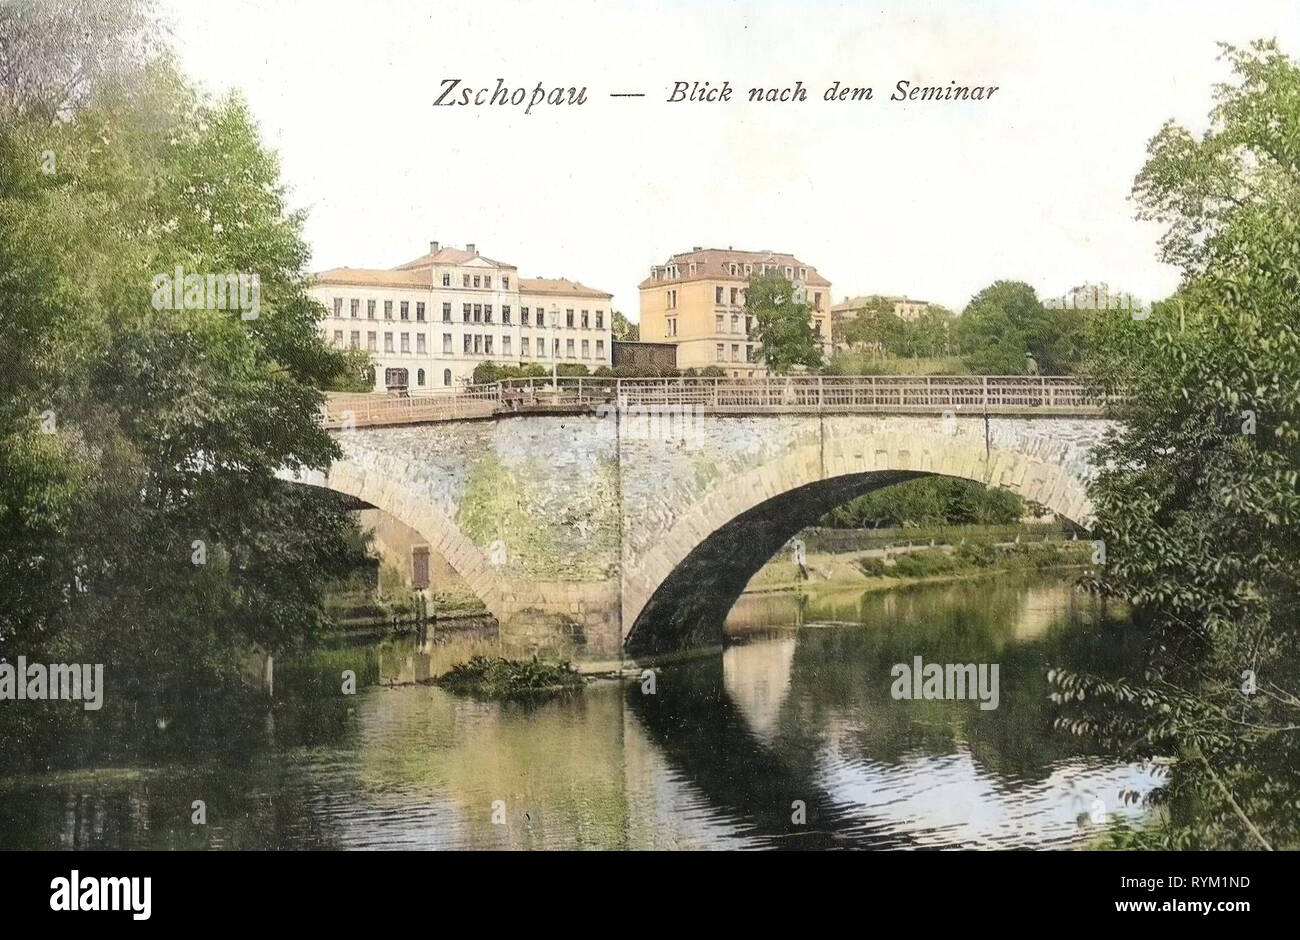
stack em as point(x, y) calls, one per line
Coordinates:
point(716, 757)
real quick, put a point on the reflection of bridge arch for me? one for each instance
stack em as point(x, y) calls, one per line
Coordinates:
point(681, 589)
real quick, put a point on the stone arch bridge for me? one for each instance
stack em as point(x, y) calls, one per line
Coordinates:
point(624, 518)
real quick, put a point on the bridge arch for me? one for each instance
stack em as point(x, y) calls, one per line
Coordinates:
point(387, 494)
point(676, 593)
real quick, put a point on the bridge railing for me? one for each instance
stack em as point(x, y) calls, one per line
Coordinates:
point(361, 410)
point(921, 394)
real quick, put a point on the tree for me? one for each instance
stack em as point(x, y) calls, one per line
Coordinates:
point(1196, 497)
point(623, 329)
point(781, 324)
point(164, 429)
point(1005, 322)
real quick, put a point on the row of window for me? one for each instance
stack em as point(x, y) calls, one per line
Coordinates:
point(399, 378)
point(735, 269)
point(750, 355)
point(477, 313)
point(476, 280)
point(473, 344)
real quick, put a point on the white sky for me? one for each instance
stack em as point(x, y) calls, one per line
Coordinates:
point(932, 199)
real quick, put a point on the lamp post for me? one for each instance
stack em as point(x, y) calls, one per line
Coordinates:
point(555, 349)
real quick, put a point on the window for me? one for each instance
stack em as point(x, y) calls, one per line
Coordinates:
point(478, 313)
point(419, 377)
point(388, 310)
point(406, 342)
point(721, 353)
point(523, 346)
point(749, 325)
point(568, 318)
point(395, 378)
point(355, 339)
point(586, 320)
point(672, 299)
point(446, 313)
point(586, 349)
point(817, 300)
point(789, 271)
point(735, 352)
point(469, 344)
point(446, 377)
point(555, 349)
point(600, 349)
point(541, 348)
point(732, 269)
point(717, 295)
point(803, 274)
point(406, 310)
point(717, 323)
point(338, 306)
point(733, 296)
point(505, 345)
point(523, 315)
point(505, 313)
point(477, 280)
point(419, 312)
point(446, 343)
point(419, 344)
point(478, 342)
point(505, 283)
point(568, 348)
point(370, 309)
point(487, 313)
point(672, 326)
point(370, 340)
point(465, 311)
point(487, 280)
point(388, 342)
point(600, 319)
point(446, 279)
point(356, 308)
point(464, 280)
point(735, 323)
point(338, 337)
point(487, 345)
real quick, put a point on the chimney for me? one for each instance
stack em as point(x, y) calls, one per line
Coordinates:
point(469, 246)
point(433, 248)
point(697, 248)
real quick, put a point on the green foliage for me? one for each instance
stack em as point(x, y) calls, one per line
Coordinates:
point(781, 325)
point(928, 501)
point(878, 332)
point(493, 677)
point(488, 372)
point(623, 329)
point(1197, 498)
point(168, 425)
point(1005, 323)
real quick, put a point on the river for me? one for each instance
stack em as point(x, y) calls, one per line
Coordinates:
point(789, 738)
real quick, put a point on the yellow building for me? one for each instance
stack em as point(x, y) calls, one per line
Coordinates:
point(905, 308)
point(697, 301)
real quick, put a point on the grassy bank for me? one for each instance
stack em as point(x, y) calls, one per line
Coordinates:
point(876, 569)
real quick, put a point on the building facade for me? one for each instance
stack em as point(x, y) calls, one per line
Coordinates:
point(696, 300)
point(905, 308)
point(429, 322)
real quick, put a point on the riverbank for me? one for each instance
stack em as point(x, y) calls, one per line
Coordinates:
point(894, 566)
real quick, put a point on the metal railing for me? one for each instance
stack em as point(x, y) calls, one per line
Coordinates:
point(897, 394)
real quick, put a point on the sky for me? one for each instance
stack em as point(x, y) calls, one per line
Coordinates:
point(932, 199)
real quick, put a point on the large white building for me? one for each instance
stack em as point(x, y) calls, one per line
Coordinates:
point(429, 322)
